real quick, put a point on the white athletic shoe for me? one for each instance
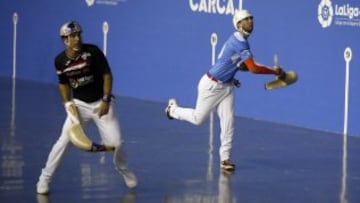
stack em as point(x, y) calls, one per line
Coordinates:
point(172, 102)
point(129, 178)
point(42, 187)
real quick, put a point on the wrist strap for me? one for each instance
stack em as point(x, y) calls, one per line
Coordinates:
point(106, 98)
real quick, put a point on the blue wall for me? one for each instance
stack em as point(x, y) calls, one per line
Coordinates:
point(159, 49)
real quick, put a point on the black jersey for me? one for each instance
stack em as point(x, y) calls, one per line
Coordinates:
point(85, 73)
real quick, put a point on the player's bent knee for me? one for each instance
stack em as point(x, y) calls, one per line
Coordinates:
point(199, 120)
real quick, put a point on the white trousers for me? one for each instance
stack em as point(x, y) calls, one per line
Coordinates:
point(109, 130)
point(212, 95)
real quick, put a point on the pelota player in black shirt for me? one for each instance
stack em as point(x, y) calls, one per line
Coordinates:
point(85, 85)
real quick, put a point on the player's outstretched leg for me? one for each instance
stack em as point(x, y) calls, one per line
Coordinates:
point(129, 178)
point(122, 167)
point(55, 156)
point(42, 187)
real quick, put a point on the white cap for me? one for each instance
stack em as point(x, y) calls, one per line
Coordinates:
point(239, 16)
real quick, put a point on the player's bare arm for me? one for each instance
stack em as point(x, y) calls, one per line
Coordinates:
point(107, 83)
point(65, 92)
point(104, 106)
point(70, 107)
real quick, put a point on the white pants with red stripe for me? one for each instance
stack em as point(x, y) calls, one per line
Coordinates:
point(109, 130)
point(212, 95)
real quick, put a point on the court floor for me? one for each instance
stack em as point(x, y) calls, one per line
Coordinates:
point(174, 161)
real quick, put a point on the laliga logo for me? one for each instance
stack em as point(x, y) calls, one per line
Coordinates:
point(325, 13)
point(341, 15)
point(90, 2)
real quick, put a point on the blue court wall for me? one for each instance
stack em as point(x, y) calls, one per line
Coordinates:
point(160, 49)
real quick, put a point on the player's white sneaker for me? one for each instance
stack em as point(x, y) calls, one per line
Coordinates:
point(129, 178)
point(42, 187)
point(172, 103)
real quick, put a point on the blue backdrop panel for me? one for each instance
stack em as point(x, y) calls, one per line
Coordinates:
point(160, 49)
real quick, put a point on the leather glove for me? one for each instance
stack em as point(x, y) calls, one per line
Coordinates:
point(72, 112)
